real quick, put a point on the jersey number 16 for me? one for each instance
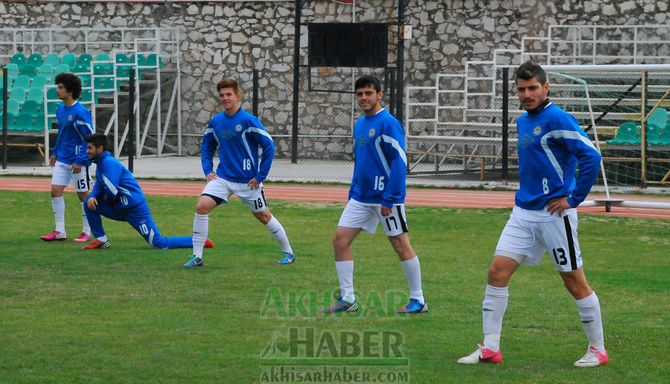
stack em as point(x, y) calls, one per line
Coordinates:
point(379, 183)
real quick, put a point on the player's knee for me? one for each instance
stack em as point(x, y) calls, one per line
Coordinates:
point(202, 208)
point(496, 275)
point(56, 192)
point(264, 216)
point(339, 243)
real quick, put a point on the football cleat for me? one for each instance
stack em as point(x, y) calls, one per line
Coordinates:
point(194, 262)
point(209, 243)
point(97, 244)
point(286, 258)
point(482, 355)
point(53, 236)
point(82, 238)
point(414, 306)
point(592, 358)
point(342, 306)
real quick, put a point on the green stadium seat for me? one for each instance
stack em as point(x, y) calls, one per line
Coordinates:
point(36, 94)
point(85, 58)
point(628, 133)
point(82, 68)
point(18, 94)
point(28, 70)
point(39, 81)
point(121, 58)
point(69, 59)
point(104, 85)
point(103, 56)
point(61, 68)
point(32, 106)
point(153, 60)
point(11, 121)
point(13, 106)
point(85, 80)
point(86, 96)
point(46, 70)
point(22, 81)
point(103, 69)
point(52, 93)
point(18, 59)
point(52, 59)
point(658, 118)
point(26, 122)
point(12, 70)
point(35, 59)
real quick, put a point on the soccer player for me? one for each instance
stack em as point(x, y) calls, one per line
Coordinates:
point(237, 136)
point(544, 218)
point(116, 195)
point(377, 194)
point(68, 157)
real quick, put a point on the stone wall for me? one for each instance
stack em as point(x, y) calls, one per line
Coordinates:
point(230, 38)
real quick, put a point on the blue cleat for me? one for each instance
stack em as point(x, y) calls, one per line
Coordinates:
point(414, 306)
point(286, 258)
point(194, 262)
point(342, 306)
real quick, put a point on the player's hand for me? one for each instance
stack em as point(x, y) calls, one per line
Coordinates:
point(76, 168)
point(92, 203)
point(253, 184)
point(211, 176)
point(386, 211)
point(52, 161)
point(558, 205)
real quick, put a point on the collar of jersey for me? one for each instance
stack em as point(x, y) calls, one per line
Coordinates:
point(539, 108)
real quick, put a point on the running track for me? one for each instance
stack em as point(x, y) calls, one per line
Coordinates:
point(338, 194)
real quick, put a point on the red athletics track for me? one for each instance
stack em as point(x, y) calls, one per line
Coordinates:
point(452, 198)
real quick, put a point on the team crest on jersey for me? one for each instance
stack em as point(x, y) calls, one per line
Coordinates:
point(371, 132)
point(238, 128)
point(70, 118)
point(537, 130)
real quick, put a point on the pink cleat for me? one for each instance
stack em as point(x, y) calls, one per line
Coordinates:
point(592, 358)
point(482, 355)
point(82, 238)
point(53, 236)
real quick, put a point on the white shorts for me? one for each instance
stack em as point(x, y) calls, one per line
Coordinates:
point(63, 175)
point(526, 241)
point(366, 217)
point(220, 190)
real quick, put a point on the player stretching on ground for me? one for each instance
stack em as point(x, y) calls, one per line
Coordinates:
point(68, 157)
point(116, 195)
point(377, 194)
point(544, 218)
point(238, 135)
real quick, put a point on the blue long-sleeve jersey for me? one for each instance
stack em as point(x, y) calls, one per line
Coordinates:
point(380, 162)
point(115, 183)
point(74, 124)
point(551, 143)
point(238, 138)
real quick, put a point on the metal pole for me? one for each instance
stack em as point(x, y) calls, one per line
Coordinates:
point(400, 67)
point(131, 122)
point(505, 124)
point(643, 133)
point(4, 118)
point(296, 80)
point(254, 100)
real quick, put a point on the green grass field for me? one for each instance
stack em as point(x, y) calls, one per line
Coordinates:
point(133, 314)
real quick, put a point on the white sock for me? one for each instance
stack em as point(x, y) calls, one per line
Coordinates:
point(345, 274)
point(200, 229)
point(493, 310)
point(413, 273)
point(102, 238)
point(58, 206)
point(277, 231)
point(84, 221)
point(589, 313)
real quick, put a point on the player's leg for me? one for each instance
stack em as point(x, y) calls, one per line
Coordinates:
point(517, 244)
point(82, 182)
point(255, 201)
point(395, 228)
point(562, 244)
point(60, 178)
point(354, 218)
point(94, 217)
point(206, 203)
point(140, 218)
